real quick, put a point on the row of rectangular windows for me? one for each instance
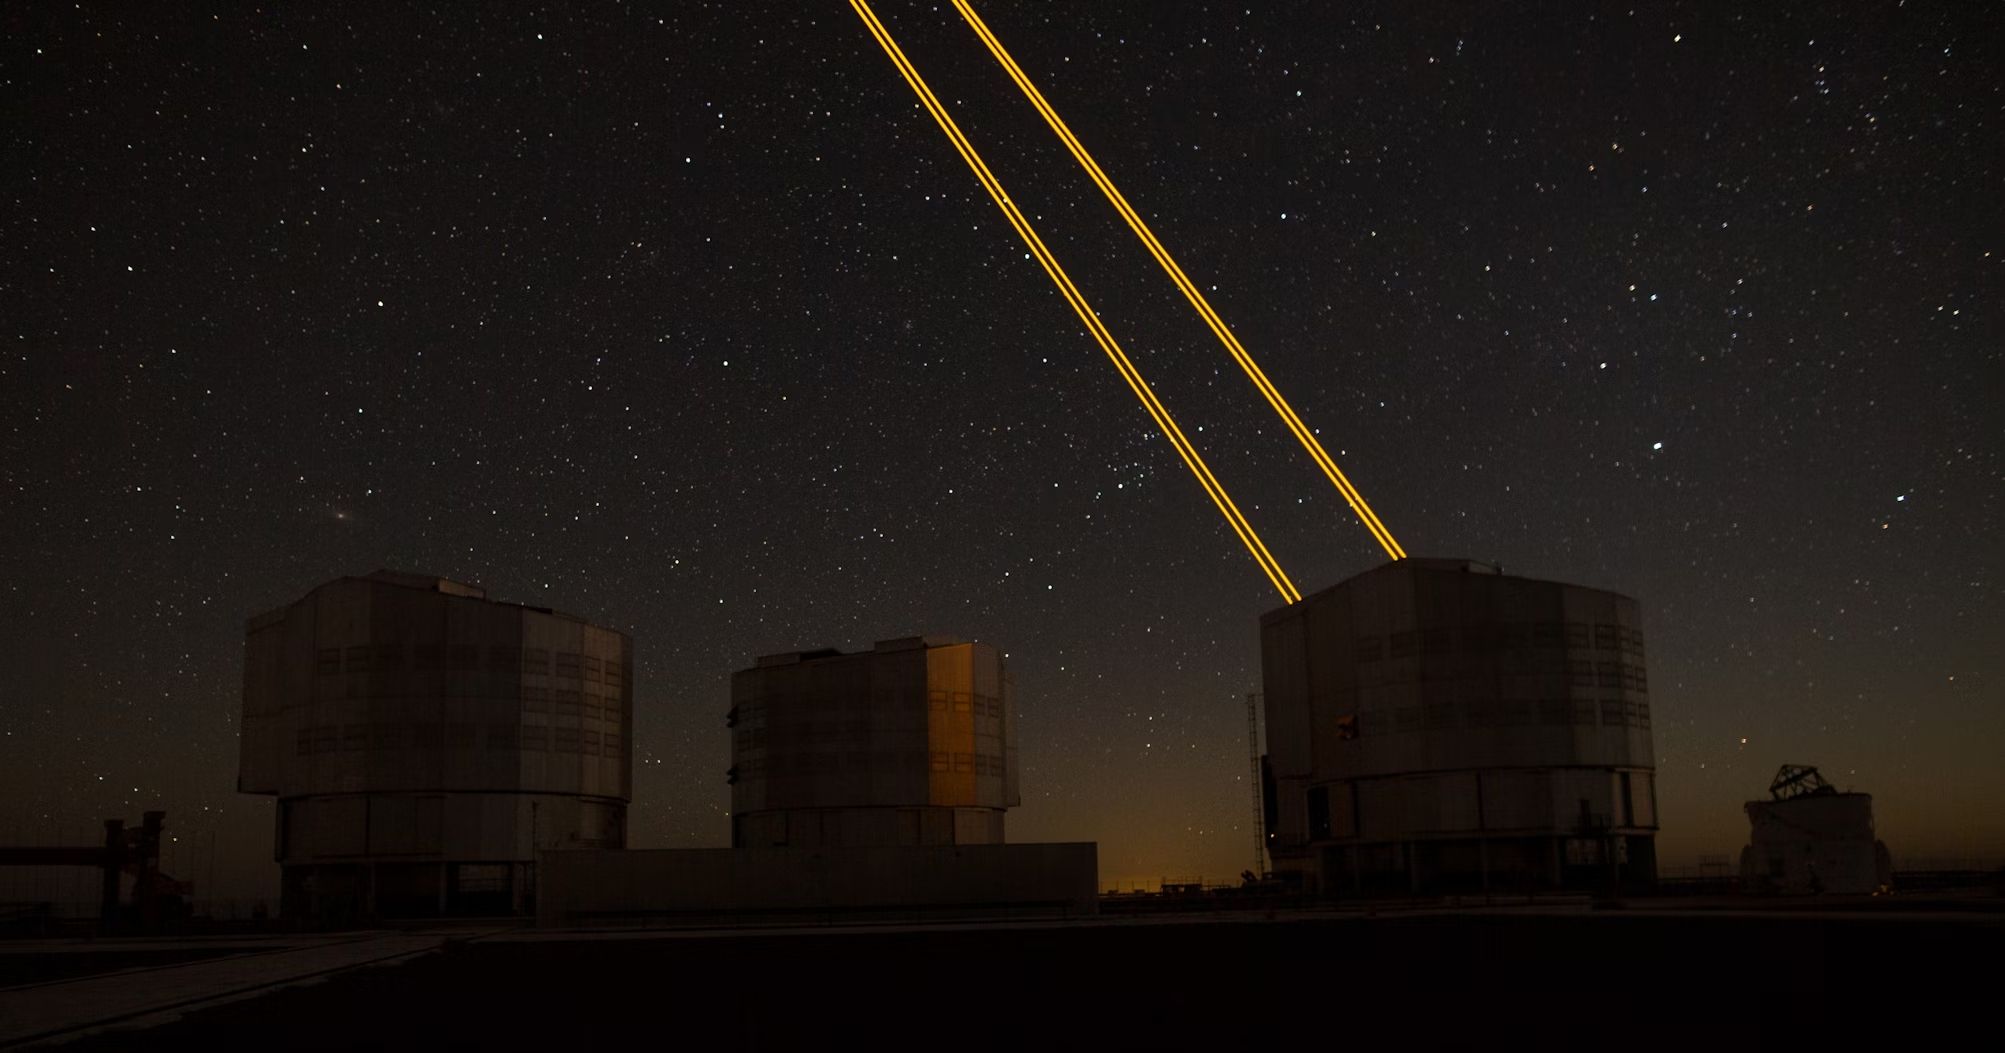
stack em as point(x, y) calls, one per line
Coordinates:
point(753, 714)
point(828, 763)
point(963, 702)
point(978, 763)
point(1509, 636)
point(1580, 671)
point(564, 702)
point(536, 661)
point(567, 703)
point(341, 738)
point(847, 731)
point(1607, 675)
point(1629, 677)
point(1549, 712)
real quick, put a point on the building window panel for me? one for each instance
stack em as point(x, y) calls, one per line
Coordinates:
point(1319, 813)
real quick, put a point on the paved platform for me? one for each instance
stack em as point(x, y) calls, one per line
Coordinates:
point(1546, 979)
point(1726, 978)
point(58, 1010)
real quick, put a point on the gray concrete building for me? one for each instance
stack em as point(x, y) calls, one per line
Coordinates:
point(1437, 725)
point(425, 742)
point(769, 885)
point(910, 743)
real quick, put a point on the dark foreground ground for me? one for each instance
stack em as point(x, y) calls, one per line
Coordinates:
point(1587, 979)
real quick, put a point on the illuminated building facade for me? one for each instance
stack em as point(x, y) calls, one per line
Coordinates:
point(910, 743)
point(425, 742)
point(1438, 725)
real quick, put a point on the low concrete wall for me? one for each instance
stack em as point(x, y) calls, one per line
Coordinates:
point(583, 887)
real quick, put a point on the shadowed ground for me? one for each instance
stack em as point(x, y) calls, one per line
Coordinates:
point(1578, 979)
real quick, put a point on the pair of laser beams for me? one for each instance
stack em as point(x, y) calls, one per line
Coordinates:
point(1133, 376)
point(1126, 367)
point(1185, 285)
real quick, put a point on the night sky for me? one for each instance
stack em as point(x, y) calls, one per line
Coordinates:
point(688, 320)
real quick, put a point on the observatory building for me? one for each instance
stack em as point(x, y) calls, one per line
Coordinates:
point(863, 785)
point(1435, 724)
point(910, 743)
point(425, 743)
point(1808, 838)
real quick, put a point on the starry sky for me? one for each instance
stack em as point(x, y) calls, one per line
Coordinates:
point(685, 318)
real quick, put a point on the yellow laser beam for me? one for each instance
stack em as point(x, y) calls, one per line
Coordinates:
point(1148, 238)
point(1126, 367)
